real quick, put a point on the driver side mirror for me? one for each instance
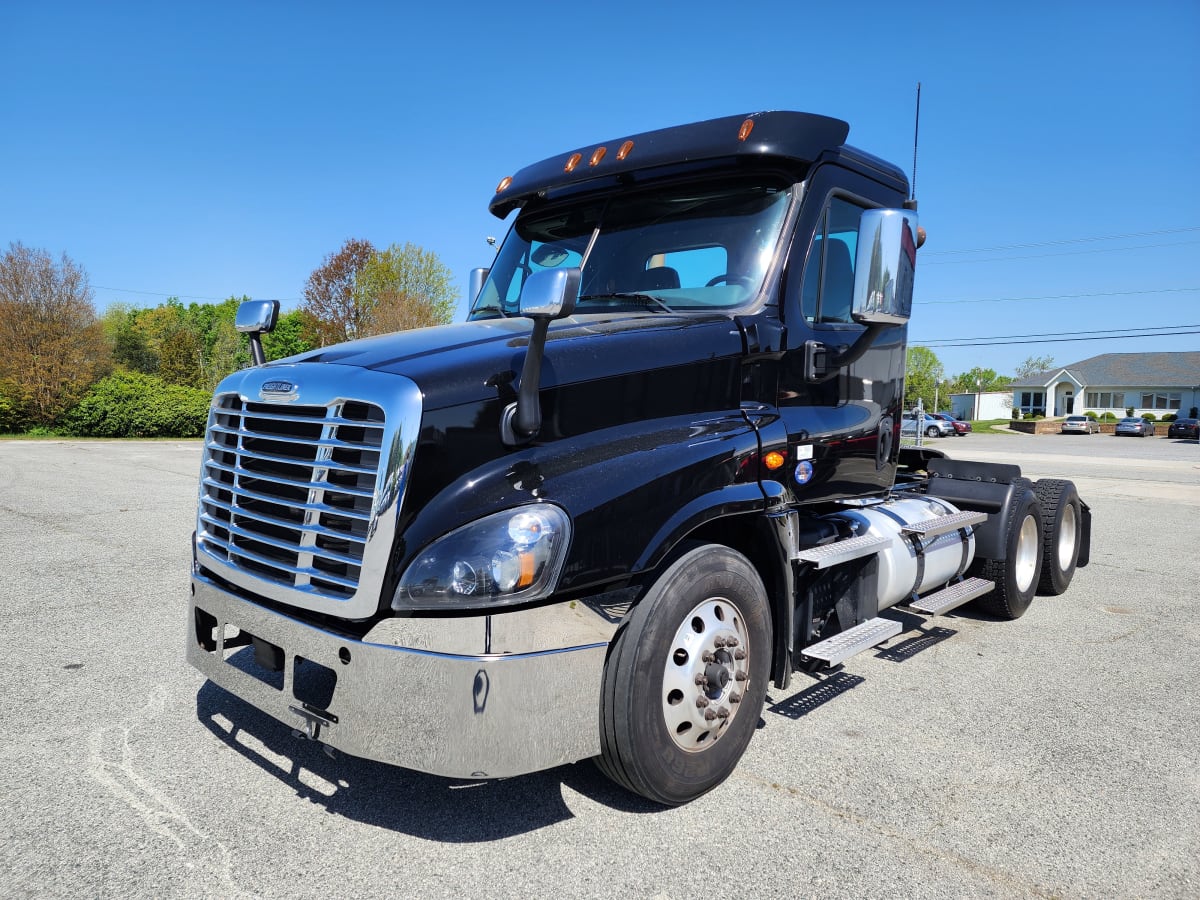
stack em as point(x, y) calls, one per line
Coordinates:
point(885, 265)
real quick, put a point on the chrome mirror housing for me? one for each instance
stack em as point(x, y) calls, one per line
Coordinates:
point(885, 265)
point(257, 316)
point(550, 293)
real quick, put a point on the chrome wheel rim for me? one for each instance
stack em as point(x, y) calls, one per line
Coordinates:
point(1026, 556)
point(706, 674)
point(1066, 538)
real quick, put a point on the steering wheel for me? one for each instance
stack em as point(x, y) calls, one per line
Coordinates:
point(743, 280)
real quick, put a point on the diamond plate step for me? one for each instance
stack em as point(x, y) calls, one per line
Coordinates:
point(842, 551)
point(944, 524)
point(854, 640)
point(956, 595)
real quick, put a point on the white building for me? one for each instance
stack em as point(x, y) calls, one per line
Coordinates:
point(1158, 383)
point(985, 405)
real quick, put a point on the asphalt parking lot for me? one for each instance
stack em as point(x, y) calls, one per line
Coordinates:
point(1054, 756)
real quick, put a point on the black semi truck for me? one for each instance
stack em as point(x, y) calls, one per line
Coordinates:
point(658, 467)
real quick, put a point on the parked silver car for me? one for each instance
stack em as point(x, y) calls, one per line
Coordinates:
point(1079, 425)
point(1135, 425)
point(931, 427)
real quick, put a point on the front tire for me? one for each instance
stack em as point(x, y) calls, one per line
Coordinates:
point(1016, 575)
point(686, 677)
point(931, 431)
point(1062, 532)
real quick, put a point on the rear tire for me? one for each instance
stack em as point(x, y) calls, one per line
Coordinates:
point(1061, 533)
point(672, 664)
point(1016, 576)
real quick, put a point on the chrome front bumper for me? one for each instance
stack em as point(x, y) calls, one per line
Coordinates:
point(463, 715)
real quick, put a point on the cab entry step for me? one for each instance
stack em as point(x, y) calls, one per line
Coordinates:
point(853, 640)
point(940, 602)
point(827, 555)
point(943, 524)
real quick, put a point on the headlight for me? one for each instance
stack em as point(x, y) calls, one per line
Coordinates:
point(505, 558)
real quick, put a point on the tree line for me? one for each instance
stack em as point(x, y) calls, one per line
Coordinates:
point(145, 372)
point(928, 383)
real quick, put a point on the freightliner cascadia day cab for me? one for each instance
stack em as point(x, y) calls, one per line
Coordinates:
point(657, 467)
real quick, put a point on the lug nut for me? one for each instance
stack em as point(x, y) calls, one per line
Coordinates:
point(718, 642)
point(709, 715)
point(701, 701)
point(707, 657)
point(722, 713)
point(735, 697)
point(701, 681)
point(741, 676)
point(739, 654)
point(732, 642)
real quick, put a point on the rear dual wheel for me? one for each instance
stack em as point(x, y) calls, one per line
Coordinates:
point(686, 677)
point(1062, 533)
point(1016, 575)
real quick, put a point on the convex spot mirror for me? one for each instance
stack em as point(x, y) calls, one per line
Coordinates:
point(885, 265)
point(550, 293)
point(549, 255)
point(257, 316)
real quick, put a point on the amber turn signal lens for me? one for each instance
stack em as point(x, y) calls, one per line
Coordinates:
point(504, 183)
point(597, 156)
point(576, 159)
point(744, 131)
point(774, 460)
point(624, 151)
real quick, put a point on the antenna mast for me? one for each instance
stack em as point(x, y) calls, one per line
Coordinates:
point(916, 131)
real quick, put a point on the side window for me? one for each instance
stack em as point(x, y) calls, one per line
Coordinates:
point(829, 272)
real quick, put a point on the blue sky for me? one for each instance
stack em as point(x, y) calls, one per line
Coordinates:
point(217, 149)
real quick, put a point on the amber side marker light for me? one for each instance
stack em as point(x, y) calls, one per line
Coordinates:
point(504, 183)
point(624, 150)
point(774, 460)
point(744, 131)
point(597, 155)
point(576, 159)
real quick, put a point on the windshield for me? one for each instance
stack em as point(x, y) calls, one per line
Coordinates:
point(685, 247)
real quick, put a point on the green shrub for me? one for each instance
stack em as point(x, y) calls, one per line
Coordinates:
point(1129, 411)
point(1108, 417)
point(1149, 417)
point(1016, 413)
point(130, 404)
point(1091, 414)
point(1170, 417)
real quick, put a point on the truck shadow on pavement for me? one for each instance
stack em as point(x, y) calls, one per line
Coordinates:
point(426, 806)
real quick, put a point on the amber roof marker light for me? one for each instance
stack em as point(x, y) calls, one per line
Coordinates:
point(576, 159)
point(504, 183)
point(624, 150)
point(744, 131)
point(597, 155)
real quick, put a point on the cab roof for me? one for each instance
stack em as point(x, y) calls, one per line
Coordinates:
point(791, 137)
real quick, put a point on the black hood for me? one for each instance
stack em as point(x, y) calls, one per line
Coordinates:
point(468, 362)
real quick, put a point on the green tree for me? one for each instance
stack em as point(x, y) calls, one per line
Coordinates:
point(1034, 365)
point(288, 337)
point(924, 370)
point(405, 287)
point(52, 346)
point(977, 379)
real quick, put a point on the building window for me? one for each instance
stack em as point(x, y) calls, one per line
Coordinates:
point(1105, 400)
point(1160, 400)
point(1031, 400)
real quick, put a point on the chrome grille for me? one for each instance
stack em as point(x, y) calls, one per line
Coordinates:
point(287, 492)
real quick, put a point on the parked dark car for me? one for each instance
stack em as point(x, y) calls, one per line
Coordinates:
point(1184, 428)
point(1080, 425)
point(1134, 425)
point(960, 427)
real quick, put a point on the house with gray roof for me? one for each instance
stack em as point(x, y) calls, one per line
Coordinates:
point(1160, 383)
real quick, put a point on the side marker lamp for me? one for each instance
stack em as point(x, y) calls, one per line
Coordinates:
point(774, 460)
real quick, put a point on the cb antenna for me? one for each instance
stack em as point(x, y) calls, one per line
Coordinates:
point(912, 197)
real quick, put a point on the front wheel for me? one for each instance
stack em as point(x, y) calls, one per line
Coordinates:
point(931, 431)
point(686, 677)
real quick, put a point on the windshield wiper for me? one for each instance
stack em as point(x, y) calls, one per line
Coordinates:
point(628, 295)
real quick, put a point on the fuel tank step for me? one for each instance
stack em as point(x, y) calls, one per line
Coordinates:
point(842, 551)
point(944, 524)
point(952, 597)
point(853, 640)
